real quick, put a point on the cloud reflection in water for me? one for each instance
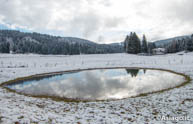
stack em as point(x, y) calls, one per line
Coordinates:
point(101, 84)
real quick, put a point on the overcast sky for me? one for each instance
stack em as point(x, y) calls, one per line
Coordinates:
point(103, 21)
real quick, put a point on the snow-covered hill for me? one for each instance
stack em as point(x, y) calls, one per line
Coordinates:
point(162, 43)
point(21, 42)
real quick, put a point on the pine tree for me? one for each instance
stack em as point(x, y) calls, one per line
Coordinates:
point(151, 46)
point(126, 43)
point(190, 44)
point(172, 47)
point(132, 44)
point(144, 47)
point(129, 45)
point(137, 43)
point(132, 72)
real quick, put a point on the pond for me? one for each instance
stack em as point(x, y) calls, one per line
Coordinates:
point(99, 84)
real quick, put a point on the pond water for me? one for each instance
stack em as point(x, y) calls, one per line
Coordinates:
point(100, 84)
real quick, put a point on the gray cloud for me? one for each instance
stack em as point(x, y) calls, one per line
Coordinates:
point(70, 16)
point(177, 18)
point(113, 22)
point(29, 14)
point(105, 2)
point(87, 23)
point(180, 10)
point(91, 19)
point(165, 19)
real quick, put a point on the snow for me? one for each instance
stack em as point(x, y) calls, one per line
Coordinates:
point(161, 43)
point(144, 109)
point(159, 51)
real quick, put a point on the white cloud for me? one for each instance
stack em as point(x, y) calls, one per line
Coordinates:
point(109, 19)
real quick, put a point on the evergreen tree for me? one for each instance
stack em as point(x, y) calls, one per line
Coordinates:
point(20, 42)
point(132, 44)
point(132, 72)
point(144, 47)
point(190, 44)
point(172, 47)
point(126, 43)
point(137, 43)
point(151, 46)
point(4, 47)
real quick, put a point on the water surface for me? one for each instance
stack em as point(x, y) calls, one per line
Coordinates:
point(100, 84)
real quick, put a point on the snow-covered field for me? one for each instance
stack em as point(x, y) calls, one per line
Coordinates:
point(14, 108)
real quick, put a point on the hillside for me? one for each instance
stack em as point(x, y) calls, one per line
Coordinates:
point(164, 42)
point(20, 42)
point(176, 44)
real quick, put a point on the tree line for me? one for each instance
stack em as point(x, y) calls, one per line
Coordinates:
point(134, 45)
point(184, 44)
point(20, 42)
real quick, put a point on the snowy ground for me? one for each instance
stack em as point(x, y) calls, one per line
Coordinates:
point(14, 108)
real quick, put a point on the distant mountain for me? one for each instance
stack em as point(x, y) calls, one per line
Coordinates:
point(74, 40)
point(20, 42)
point(162, 43)
point(117, 44)
point(176, 44)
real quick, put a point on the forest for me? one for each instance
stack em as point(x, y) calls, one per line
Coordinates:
point(19, 42)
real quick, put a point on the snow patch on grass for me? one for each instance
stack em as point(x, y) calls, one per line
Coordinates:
point(145, 109)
